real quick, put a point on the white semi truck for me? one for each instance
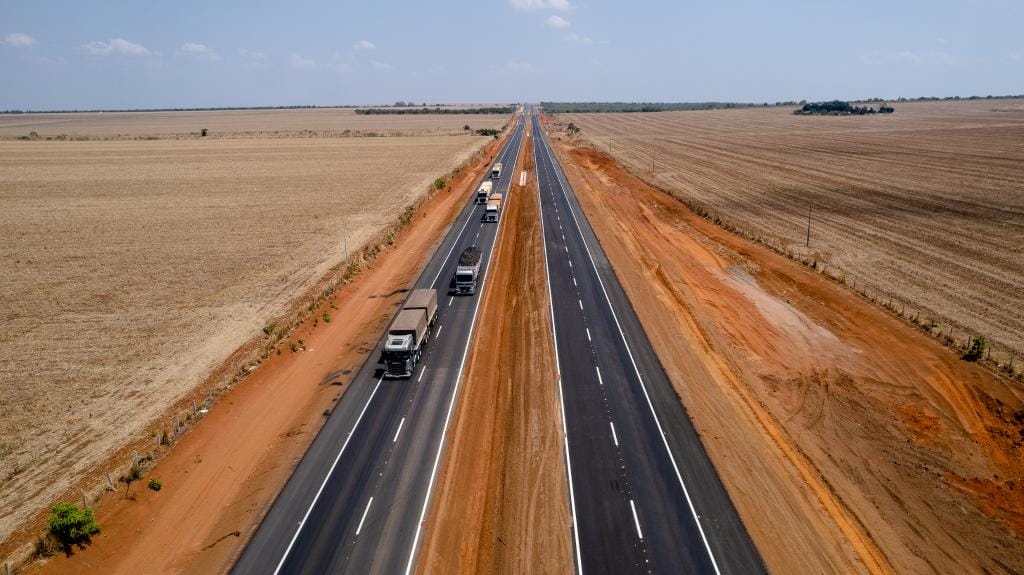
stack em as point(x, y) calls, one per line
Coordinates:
point(496, 171)
point(409, 332)
point(492, 212)
point(467, 271)
point(484, 192)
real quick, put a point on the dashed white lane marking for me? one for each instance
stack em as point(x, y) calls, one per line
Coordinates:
point(438, 335)
point(574, 281)
point(588, 334)
point(367, 511)
point(401, 423)
point(450, 300)
point(600, 381)
point(566, 249)
point(579, 301)
point(615, 438)
point(424, 370)
point(636, 519)
point(570, 263)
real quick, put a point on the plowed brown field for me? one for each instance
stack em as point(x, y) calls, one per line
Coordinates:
point(925, 205)
point(133, 269)
point(849, 441)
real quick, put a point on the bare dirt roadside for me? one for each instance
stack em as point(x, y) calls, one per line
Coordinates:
point(848, 441)
point(220, 479)
point(501, 503)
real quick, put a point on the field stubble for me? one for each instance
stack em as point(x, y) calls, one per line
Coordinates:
point(133, 269)
point(923, 210)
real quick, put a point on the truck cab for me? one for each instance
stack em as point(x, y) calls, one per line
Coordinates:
point(492, 212)
point(496, 171)
point(484, 192)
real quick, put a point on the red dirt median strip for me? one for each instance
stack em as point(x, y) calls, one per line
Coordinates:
point(501, 504)
point(223, 475)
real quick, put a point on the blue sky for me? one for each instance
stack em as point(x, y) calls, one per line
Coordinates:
point(60, 55)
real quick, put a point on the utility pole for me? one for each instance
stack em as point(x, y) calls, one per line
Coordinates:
point(808, 225)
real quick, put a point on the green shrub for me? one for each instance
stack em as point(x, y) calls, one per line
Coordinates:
point(439, 184)
point(976, 348)
point(71, 524)
point(269, 329)
point(155, 484)
point(327, 317)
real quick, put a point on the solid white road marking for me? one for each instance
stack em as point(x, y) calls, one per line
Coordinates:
point(326, 478)
point(401, 423)
point(561, 399)
point(643, 386)
point(615, 438)
point(451, 404)
point(366, 511)
point(636, 519)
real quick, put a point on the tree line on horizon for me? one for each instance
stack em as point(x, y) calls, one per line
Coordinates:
point(436, 110)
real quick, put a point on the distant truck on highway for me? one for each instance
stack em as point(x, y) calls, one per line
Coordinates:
point(467, 271)
point(484, 192)
point(496, 171)
point(409, 332)
point(492, 212)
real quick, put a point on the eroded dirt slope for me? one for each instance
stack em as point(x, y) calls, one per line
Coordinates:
point(501, 502)
point(848, 440)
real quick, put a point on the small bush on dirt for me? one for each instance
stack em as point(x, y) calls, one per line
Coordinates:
point(467, 128)
point(294, 347)
point(975, 349)
point(327, 317)
point(439, 184)
point(155, 484)
point(269, 329)
point(71, 524)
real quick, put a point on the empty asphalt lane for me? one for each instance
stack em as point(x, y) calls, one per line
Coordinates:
point(645, 496)
point(355, 502)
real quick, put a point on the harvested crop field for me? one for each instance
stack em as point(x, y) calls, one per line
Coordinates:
point(134, 268)
point(924, 207)
point(234, 123)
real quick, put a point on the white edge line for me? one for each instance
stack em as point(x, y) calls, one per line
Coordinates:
point(400, 424)
point(561, 402)
point(366, 512)
point(455, 394)
point(636, 519)
point(643, 386)
point(326, 478)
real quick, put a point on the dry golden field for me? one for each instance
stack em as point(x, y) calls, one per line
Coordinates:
point(236, 122)
point(925, 206)
point(133, 268)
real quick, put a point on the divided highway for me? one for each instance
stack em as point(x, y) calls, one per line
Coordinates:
point(357, 500)
point(643, 492)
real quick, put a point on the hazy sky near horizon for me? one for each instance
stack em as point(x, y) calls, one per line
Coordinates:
point(121, 54)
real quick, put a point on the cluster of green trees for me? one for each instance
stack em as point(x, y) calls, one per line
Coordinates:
point(438, 110)
point(585, 107)
point(839, 107)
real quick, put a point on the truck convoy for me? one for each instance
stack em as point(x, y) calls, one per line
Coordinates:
point(496, 171)
point(484, 192)
point(492, 212)
point(467, 270)
point(409, 333)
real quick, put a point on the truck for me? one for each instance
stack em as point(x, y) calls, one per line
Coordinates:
point(464, 281)
point(492, 212)
point(496, 171)
point(409, 332)
point(484, 192)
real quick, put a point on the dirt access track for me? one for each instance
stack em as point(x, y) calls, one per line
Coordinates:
point(219, 481)
point(501, 504)
point(848, 440)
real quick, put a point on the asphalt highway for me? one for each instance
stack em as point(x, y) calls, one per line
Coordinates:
point(644, 496)
point(357, 500)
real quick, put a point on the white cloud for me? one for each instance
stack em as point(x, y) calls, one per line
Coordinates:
point(115, 46)
point(196, 48)
point(251, 54)
point(296, 61)
point(556, 21)
point(19, 40)
point(381, 65)
point(364, 45)
point(539, 4)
